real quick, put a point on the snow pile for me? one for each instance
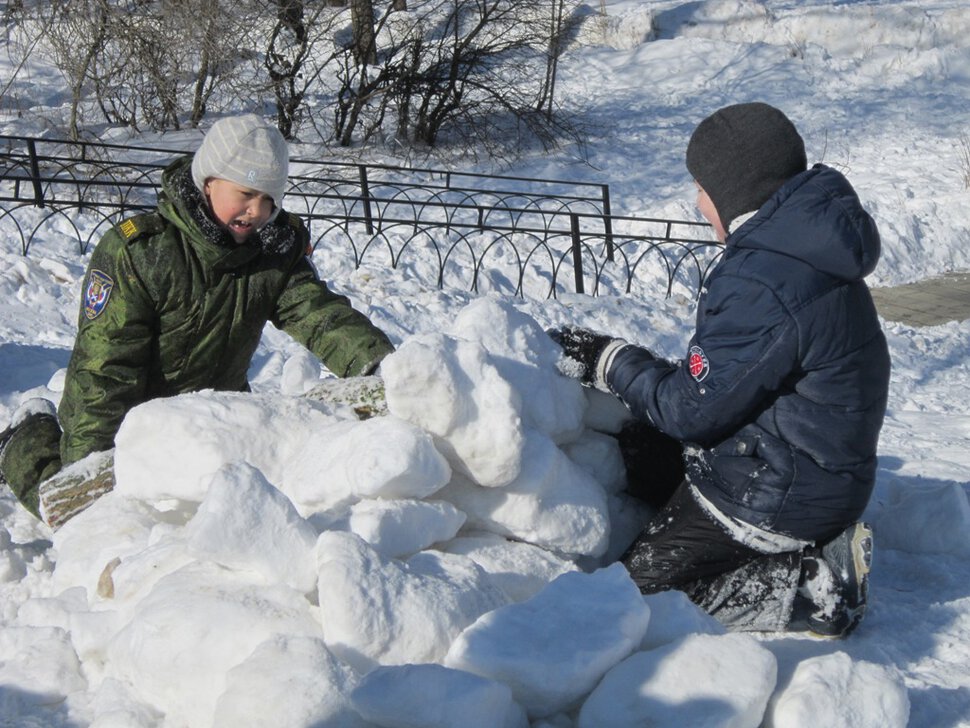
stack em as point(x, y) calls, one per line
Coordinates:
point(266, 540)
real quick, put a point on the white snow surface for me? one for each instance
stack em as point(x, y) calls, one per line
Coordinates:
point(267, 560)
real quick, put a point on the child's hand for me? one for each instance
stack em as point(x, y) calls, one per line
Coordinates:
point(582, 349)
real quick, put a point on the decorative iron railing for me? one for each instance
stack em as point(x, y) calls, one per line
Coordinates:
point(522, 236)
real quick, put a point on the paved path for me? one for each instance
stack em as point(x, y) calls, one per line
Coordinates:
point(926, 303)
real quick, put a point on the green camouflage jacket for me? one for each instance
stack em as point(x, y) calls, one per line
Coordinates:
point(170, 305)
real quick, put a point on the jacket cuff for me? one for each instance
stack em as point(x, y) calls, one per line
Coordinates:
point(605, 361)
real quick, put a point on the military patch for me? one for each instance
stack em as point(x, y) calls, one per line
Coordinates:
point(128, 228)
point(96, 294)
point(697, 363)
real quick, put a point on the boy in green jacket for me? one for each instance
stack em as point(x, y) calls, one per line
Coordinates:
point(175, 301)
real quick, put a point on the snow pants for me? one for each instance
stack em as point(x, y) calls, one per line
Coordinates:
point(684, 548)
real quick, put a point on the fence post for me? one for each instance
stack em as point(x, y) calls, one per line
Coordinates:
point(35, 173)
point(608, 222)
point(577, 252)
point(365, 198)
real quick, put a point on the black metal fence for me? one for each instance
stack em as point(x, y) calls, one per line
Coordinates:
point(523, 236)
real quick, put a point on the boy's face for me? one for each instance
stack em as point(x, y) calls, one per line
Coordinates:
point(240, 210)
point(709, 212)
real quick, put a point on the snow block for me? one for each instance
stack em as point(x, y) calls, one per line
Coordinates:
point(344, 462)
point(194, 626)
point(452, 389)
point(113, 527)
point(433, 696)
point(376, 610)
point(401, 528)
point(600, 456)
point(700, 680)
point(673, 616)
point(289, 681)
point(523, 354)
point(39, 668)
point(245, 523)
point(551, 663)
point(553, 503)
point(204, 431)
point(834, 690)
point(519, 569)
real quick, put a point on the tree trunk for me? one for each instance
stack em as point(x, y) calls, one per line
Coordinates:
point(365, 42)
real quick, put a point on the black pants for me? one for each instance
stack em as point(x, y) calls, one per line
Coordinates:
point(684, 548)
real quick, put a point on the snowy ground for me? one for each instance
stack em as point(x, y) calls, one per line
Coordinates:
point(271, 561)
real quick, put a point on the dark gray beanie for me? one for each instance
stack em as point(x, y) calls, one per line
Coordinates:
point(245, 150)
point(742, 154)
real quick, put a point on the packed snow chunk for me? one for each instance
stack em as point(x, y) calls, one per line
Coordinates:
point(194, 626)
point(12, 565)
point(553, 649)
point(400, 528)
point(519, 569)
point(605, 412)
point(833, 690)
point(126, 581)
point(291, 681)
point(700, 680)
point(53, 611)
point(926, 519)
point(600, 456)
point(433, 696)
point(383, 457)
point(672, 616)
point(377, 610)
point(170, 447)
point(526, 357)
point(38, 667)
point(113, 527)
point(301, 371)
point(452, 389)
point(115, 707)
point(553, 503)
point(628, 517)
point(245, 523)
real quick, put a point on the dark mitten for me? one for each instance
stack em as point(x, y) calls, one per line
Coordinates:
point(582, 349)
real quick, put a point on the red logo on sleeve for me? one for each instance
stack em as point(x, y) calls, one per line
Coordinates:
point(697, 363)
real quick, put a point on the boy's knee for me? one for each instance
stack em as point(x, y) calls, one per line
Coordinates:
point(29, 455)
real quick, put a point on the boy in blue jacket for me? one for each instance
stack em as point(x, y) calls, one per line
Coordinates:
point(781, 395)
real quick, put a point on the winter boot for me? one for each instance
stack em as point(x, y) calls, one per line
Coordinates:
point(835, 584)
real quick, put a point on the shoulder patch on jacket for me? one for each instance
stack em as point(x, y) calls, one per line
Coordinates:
point(134, 227)
point(96, 293)
point(698, 363)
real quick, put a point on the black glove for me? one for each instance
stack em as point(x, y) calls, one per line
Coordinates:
point(582, 348)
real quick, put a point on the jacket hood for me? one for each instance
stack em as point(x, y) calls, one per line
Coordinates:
point(817, 218)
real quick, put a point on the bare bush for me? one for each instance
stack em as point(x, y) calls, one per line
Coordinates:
point(471, 73)
point(425, 73)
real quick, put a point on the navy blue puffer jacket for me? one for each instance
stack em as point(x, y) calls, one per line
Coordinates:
point(784, 385)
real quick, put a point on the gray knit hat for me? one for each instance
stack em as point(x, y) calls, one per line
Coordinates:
point(245, 150)
point(742, 154)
